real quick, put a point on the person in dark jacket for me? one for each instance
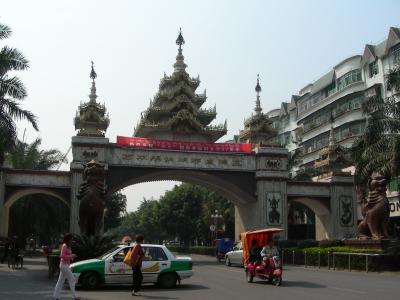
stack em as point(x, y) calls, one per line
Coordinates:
point(136, 263)
point(254, 251)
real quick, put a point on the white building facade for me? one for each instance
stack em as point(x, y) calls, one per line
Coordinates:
point(335, 99)
point(304, 122)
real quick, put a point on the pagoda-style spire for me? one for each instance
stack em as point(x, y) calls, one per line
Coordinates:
point(258, 108)
point(93, 76)
point(334, 157)
point(180, 65)
point(180, 40)
point(175, 112)
point(258, 128)
point(91, 118)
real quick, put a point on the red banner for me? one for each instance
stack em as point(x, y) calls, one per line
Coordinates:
point(182, 146)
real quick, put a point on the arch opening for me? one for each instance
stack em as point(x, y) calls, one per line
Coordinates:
point(307, 219)
point(43, 214)
point(222, 197)
point(227, 188)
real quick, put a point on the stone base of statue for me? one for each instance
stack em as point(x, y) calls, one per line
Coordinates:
point(368, 244)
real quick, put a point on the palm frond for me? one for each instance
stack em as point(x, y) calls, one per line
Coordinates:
point(12, 59)
point(13, 109)
point(5, 31)
point(12, 87)
point(29, 156)
point(393, 79)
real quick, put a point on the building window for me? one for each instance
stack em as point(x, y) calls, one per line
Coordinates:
point(373, 69)
point(348, 78)
point(357, 102)
point(315, 98)
point(330, 89)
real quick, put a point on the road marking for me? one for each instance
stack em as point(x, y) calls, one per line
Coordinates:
point(347, 290)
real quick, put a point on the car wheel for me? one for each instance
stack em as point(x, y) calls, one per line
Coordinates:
point(90, 281)
point(168, 280)
point(228, 261)
point(249, 277)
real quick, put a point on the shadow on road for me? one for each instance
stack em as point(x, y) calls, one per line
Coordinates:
point(303, 284)
point(150, 287)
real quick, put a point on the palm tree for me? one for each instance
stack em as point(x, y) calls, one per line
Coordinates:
point(12, 90)
point(378, 149)
point(29, 156)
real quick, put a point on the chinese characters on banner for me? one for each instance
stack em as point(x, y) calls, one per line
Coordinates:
point(182, 146)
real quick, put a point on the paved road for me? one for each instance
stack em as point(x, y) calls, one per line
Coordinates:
point(215, 281)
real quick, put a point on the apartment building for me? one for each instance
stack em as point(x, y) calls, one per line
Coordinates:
point(335, 100)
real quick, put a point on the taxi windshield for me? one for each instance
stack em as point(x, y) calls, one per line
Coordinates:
point(105, 255)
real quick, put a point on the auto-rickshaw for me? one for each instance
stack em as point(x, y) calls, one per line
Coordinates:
point(268, 268)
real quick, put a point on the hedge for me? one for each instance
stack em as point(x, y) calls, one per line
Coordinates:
point(318, 256)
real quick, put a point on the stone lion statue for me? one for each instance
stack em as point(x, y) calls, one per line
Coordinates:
point(92, 196)
point(376, 210)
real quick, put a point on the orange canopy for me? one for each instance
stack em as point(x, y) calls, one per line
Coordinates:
point(261, 236)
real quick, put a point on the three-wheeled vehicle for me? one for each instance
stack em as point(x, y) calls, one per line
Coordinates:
point(223, 246)
point(269, 267)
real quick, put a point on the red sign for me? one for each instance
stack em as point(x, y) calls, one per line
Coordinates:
point(182, 146)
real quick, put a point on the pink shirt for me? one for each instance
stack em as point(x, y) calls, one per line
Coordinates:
point(65, 255)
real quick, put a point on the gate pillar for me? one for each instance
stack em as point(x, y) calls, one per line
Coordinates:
point(84, 149)
point(270, 209)
point(343, 207)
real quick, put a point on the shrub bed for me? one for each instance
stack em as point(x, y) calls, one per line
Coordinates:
point(321, 256)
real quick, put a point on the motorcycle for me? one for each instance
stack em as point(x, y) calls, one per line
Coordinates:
point(270, 267)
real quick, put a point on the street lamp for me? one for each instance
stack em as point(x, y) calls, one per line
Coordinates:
point(215, 217)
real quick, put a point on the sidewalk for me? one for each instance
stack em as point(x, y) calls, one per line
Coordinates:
point(29, 283)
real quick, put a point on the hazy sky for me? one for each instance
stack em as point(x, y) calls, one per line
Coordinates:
point(289, 43)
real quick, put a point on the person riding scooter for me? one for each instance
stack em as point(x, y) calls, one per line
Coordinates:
point(269, 249)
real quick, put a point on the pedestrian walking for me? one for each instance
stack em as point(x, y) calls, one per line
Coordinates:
point(31, 245)
point(136, 264)
point(66, 257)
point(13, 253)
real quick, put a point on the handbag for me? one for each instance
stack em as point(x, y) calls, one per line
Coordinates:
point(128, 258)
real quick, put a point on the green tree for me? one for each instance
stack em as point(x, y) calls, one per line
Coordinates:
point(183, 213)
point(180, 210)
point(12, 91)
point(29, 156)
point(378, 149)
point(145, 220)
point(115, 207)
point(225, 208)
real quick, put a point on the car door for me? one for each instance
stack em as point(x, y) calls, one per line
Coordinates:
point(237, 254)
point(154, 261)
point(116, 272)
